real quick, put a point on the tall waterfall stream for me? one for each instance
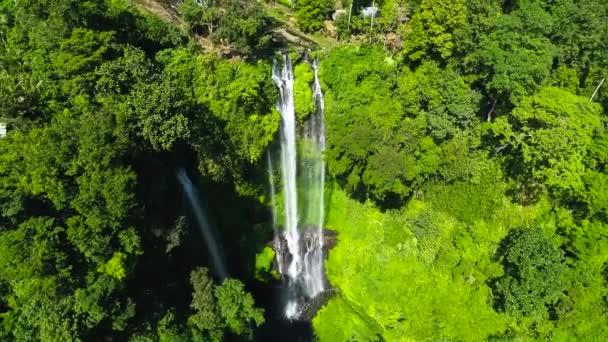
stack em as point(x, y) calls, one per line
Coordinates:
point(303, 212)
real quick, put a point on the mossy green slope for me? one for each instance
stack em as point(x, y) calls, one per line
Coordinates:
point(420, 273)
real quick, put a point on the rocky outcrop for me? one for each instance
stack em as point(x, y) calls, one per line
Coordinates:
point(337, 14)
point(308, 307)
point(290, 36)
point(330, 238)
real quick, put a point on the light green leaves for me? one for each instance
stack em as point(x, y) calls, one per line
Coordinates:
point(432, 28)
point(552, 132)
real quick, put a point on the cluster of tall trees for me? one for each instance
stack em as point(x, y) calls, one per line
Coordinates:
point(103, 104)
point(505, 76)
point(483, 112)
point(240, 25)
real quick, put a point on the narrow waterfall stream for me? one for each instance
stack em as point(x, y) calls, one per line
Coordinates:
point(314, 183)
point(201, 218)
point(303, 234)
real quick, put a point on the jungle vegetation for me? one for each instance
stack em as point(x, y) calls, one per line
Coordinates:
point(467, 168)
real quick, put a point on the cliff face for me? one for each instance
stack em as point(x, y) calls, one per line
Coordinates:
point(330, 238)
point(283, 259)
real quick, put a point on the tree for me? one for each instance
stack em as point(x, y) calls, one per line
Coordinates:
point(385, 126)
point(242, 25)
point(219, 307)
point(241, 97)
point(206, 318)
point(84, 198)
point(442, 95)
point(197, 14)
point(310, 15)
point(245, 26)
point(578, 29)
point(146, 105)
point(551, 134)
point(237, 308)
point(432, 27)
point(579, 34)
point(535, 275)
point(511, 57)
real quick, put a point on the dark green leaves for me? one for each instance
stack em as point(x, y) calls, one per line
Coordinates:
point(535, 275)
point(219, 307)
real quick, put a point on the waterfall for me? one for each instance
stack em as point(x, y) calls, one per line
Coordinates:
point(203, 223)
point(273, 203)
point(305, 273)
point(283, 78)
point(314, 182)
point(319, 100)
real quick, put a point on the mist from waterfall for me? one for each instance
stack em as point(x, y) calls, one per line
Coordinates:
point(303, 212)
point(203, 223)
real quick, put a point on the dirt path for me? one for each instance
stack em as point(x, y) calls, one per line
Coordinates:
point(287, 31)
point(165, 11)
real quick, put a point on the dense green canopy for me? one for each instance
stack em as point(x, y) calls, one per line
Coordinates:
point(467, 167)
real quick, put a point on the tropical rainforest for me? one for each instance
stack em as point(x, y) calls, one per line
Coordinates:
point(467, 168)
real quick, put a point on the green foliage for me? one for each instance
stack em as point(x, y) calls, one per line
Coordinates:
point(149, 106)
point(582, 313)
point(432, 28)
point(596, 193)
point(442, 95)
point(237, 307)
point(511, 56)
point(206, 319)
point(70, 169)
point(388, 146)
point(69, 218)
point(534, 277)
point(263, 264)
point(361, 78)
point(444, 263)
point(310, 15)
point(169, 331)
point(196, 15)
point(352, 326)
point(103, 103)
point(241, 96)
point(484, 196)
point(578, 27)
point(77, 57)
point(551, 133)
point(219, 307)
point(302, 91)
point(243, 25)
point(115, 267)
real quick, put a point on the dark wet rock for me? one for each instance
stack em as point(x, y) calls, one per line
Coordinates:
point(279, 244)
point(307, 307)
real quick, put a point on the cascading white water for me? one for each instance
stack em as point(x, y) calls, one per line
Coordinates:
point(314, 134)
point(319, 99)
point(283, 78)
point(305, 272)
